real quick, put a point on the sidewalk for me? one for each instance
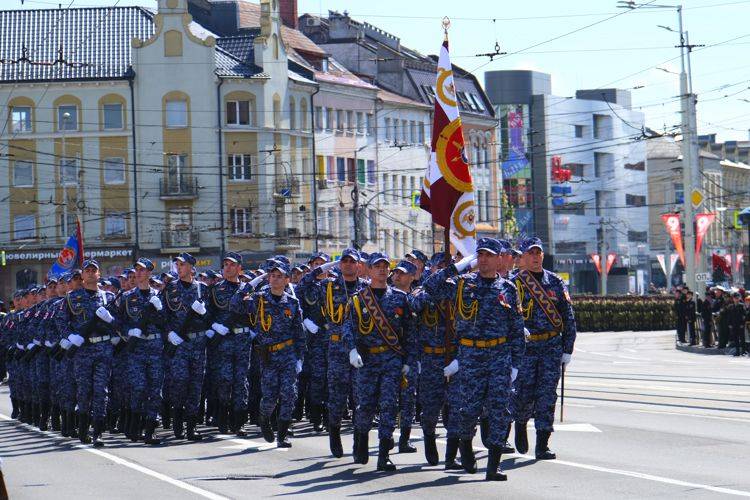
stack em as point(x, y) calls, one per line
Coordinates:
point(698, 349)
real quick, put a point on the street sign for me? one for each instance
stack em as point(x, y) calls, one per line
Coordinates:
point(702, 277)
point(696, 197)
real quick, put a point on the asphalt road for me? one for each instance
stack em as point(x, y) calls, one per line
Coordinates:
point(641, 421)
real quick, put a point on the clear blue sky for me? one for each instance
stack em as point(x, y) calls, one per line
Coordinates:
point(621, 51)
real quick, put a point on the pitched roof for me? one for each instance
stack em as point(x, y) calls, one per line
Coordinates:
point(249, 17)
point(91, 43)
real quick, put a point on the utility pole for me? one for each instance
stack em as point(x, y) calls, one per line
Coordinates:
point(63, 181)
point(602, 258)
point(355, 196)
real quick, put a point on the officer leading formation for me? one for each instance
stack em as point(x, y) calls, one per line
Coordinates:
point(480, 342)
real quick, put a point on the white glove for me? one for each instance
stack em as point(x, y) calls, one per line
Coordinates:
point(37, 342)
point(405, 370)
point(48, 344)
point(76, 339)
point(526, 332)
point(451, 369)
point(156, 302)
point(199, 307)
point(566, 358)
point(135, 332)
point(104, 315)
point(513, 374)
point(65, 344)
point(252, 334)
point(20, 347)
point(355, 359)
point(210, 333)
point(115, 340)
point(325, 267)
point(29, 346)
point(419, 367)
point(220, 329)
point(298, 366)
point(465, 263)
point(311, 326)
point(174, 339)
point(256, 281)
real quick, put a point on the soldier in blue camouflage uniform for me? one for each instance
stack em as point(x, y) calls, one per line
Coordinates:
point(41, 358)
point(312, 299)
point(277, 318)
point(491, 345)
point(27, 332)
point(234, 341)
point(66, 370)
point(186, 326)
point(13, 348)
point(142, 315)
point(550, 346)
point(119, 417)
point(402, 278)
point(52, 341)
point(389, 352)
point(90, 326)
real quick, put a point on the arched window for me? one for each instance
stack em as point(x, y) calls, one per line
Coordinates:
point(292, 114)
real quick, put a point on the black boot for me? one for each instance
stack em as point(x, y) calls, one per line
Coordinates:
point(238, 421)
point(494, 473)
point(299, 407)
point(36, 414)
point(55, 418)
point(166, 416)
point(316, 418)
point(44, 417)
point(149, 437)
point(221, 421)
point(384, 461)
point(123, 422)
point(467, 456)
point(542, 450)
point(98, 429)
point(281, 440)
point(266, 429)
point(403, 441)
point(334, 441)
point(177, 424)
point(484, 430)
point(64, 429)
point(111, 421)
point(135, 427)
point(16, 408)
point(72, 424)
point(451, 449)
point(507, 448)
point(83, 428)
point(191, 434)
point(430, 449)
point(522, 440)
point(362, 450)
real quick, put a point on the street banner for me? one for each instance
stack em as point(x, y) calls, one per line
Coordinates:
point(672, 262)
point(611, 257)
point(71, 255)
point(739, 259)
point(660, 258)
point(597, 262)
point(672, 223)
point(447, 188)
point(702, 223)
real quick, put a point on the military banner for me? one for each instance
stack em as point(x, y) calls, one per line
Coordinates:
point(448, 189)
point(702, 223)
point(71, 255)
point(672, 223)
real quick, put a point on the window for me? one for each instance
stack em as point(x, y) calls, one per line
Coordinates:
point(395, 130)
point(329, 118)
point(371, 175)
point(350, 124)
point(679, 193)
point(240, 221)
point(637, 236)
point(318, 118)
point(372, 224)
point(603, 164)
point(394, 188)
point(429, 92)
point(292, 114)
point(115, 224)
point(69, 171)
point(412, 132)
point(20, 117)
point(112, 116)
point(576, 169)
point(67, 118)
point(340, 117)
point(368, 123)
point(331, 168)
point(351, 170)
point(640, 166)
point(361, 171)
point(303, 114)
point(384, 187)
point(404, 193)
point(114, 170)
point(24, 227)
point(578, 130)
point(421, 133)
point(477, 102)
point(602, 126)
point(571, 209)
point(360, 123)
point(70, 229)
point(23, 173)
point(238, 112)
point(341, 169)
point(404, 131)
point(177, 113)
point(387, 129)
point(240, 167)
point(635, 200)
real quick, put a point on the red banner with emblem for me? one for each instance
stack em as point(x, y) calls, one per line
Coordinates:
point(597, 262)
point(672, 223)
point(702, 223)
point(611, 257)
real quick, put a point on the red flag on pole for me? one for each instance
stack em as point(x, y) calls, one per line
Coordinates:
point(447, 188)
point(672, 223)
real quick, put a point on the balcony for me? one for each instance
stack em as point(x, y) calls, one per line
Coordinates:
point(180, 240)
point(183, 188)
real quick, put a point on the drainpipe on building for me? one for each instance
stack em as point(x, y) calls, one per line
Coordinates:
point(221, 168)
point(130, 74)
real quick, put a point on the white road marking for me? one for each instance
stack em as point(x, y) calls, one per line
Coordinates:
point(624, 384)
point(576, 405)
point(576, 428)
point(126, 463)
point(713, 417)
point(631, 350)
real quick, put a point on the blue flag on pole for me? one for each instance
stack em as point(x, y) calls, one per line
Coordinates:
point(71, 255)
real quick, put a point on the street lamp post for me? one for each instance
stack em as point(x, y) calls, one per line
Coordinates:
point(63, 168)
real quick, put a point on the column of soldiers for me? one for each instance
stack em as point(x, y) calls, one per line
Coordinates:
point(351, 340)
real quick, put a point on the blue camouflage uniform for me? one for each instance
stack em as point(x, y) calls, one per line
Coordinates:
point(491, 341)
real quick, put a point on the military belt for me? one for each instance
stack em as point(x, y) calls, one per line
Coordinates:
point(280, 345)
point(150, 337)
point(195, 335)
point(244, 329)
point(437, 350)
point(96, 340)
point(379, 349)
point(483, 344)
point(335, 337)
point(536, 337)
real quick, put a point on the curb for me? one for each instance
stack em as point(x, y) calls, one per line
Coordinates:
point(704, 350)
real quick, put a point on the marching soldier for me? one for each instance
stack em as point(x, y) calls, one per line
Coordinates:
point(142, 314)
point(491, 346)
point(186, 325)
point(548, 316)
point(379, 325)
